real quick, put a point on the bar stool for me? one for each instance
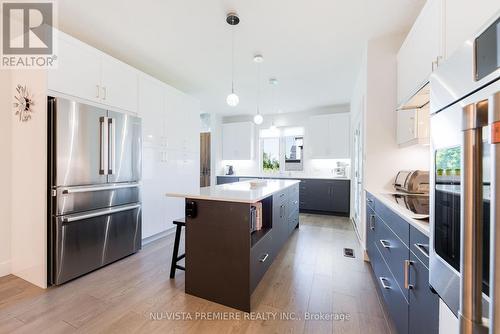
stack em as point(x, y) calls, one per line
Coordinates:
point(181, 222)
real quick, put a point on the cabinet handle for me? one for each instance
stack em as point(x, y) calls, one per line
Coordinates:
point(369, 200)
point(264, 258)
point(97, 91)
point(372, 222)
point(104, 93)
point(407, 265)
point(423, 249)
point(385, 243)
point(383, 281)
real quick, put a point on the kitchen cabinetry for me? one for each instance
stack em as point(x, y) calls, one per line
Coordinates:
point(238, 141)
point(421, 51)
point(464, 18)
point(323, 195)
point(327, 136)
point(87, 73)
point(399, 258)
point(413, 126)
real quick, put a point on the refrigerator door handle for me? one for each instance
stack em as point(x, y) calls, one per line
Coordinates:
point(494, 122)
point(85, 189)
point(112, 145)
point(103, 142)
point(475, 117)
point(99, 213)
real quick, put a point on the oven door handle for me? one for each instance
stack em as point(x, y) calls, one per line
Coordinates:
point(494, 122)
point(475, 117)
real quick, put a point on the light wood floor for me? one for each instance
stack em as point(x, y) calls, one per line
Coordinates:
point(309, 275)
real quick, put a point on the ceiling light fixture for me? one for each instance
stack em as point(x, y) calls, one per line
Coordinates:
point(274, 83)
point(258, 119)
point(232, 99)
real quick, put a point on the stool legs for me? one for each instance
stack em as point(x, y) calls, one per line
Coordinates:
point(176, 251)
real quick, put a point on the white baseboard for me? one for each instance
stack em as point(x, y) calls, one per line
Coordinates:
point(5, 268)
point(154, 237)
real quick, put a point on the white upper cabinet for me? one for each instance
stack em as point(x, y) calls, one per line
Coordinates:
point(464, 18)
point(413, 127)
point(151, 109)
point(87, 73)
point(79, 69)
point(118, 84)
point(327, 137)
point(421, 51)
point(238, 141)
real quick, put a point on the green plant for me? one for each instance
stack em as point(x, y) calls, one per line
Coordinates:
point(270, 164)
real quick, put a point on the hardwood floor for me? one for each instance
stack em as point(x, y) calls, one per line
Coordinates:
point(309, 275)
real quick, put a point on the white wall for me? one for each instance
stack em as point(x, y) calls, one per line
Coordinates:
point(5, 172)
point(377, 86)
point(298, 119)
point(29, 182)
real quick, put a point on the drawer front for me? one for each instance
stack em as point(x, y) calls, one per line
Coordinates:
point(370, 200)
point(393, 251)
point(292, 223)
point(371, 229)
point(282, 196)
point(394, 299)
point(260, 259)
point(397, 224)
point(227, 179)
point(419, 245)
point(424, 305)
point(293, 206)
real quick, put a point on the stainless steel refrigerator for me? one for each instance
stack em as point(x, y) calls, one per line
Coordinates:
point(465, 195)
point(94, 195)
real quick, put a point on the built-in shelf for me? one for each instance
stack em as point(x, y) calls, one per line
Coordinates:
point(256, 236)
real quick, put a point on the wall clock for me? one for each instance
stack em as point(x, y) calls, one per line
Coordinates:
point(24, 103)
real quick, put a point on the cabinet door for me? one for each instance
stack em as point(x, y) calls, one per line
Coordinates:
point(420, 50)
point(424, 305)
point(339, 130)
point(280, 224)
point(119, 84)
point(317, 140)
point(407, 126)
point(237, 141)
point(340, 193)
point(78, 70)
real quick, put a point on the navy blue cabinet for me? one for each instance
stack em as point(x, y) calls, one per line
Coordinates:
point(399, 258)
point(316, 195)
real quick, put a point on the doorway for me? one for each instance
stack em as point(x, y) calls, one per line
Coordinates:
point(205, 159)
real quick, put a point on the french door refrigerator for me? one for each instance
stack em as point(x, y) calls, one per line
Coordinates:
point(94, 194)
point(465, 197)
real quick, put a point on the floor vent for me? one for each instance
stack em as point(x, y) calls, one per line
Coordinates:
point(348, 252)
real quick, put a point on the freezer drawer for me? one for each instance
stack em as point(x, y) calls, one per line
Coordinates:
point(86, 241)
point(71, 200)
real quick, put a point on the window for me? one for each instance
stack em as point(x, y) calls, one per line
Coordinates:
point(271, 154)
point(282, 148)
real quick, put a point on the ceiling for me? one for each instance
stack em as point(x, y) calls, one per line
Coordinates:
point(313, 47)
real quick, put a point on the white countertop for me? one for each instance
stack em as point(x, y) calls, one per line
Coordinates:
point(321, 177)
point(241, 192)
point(422, 226)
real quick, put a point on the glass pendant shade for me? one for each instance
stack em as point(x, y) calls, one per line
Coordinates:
point(258, 119)
point(232, 99)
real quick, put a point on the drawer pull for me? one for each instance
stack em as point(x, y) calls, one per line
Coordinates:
point(385, 243)
point(372, 222)
point(264, 258)
point(407, 265)
point(423, 249)
point(384, 283)
point(369, 200)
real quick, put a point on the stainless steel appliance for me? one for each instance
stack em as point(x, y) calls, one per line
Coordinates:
point(464, 215)
point(94, 190)
point(412, 181)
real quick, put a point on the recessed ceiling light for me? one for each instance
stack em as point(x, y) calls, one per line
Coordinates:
point(258, 58)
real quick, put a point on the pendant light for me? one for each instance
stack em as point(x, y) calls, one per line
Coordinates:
point(232, 99)
point(258, 119)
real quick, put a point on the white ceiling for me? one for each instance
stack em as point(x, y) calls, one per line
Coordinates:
point(313, 47)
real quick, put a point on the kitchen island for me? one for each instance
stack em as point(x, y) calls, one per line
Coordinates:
point(233, 234)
